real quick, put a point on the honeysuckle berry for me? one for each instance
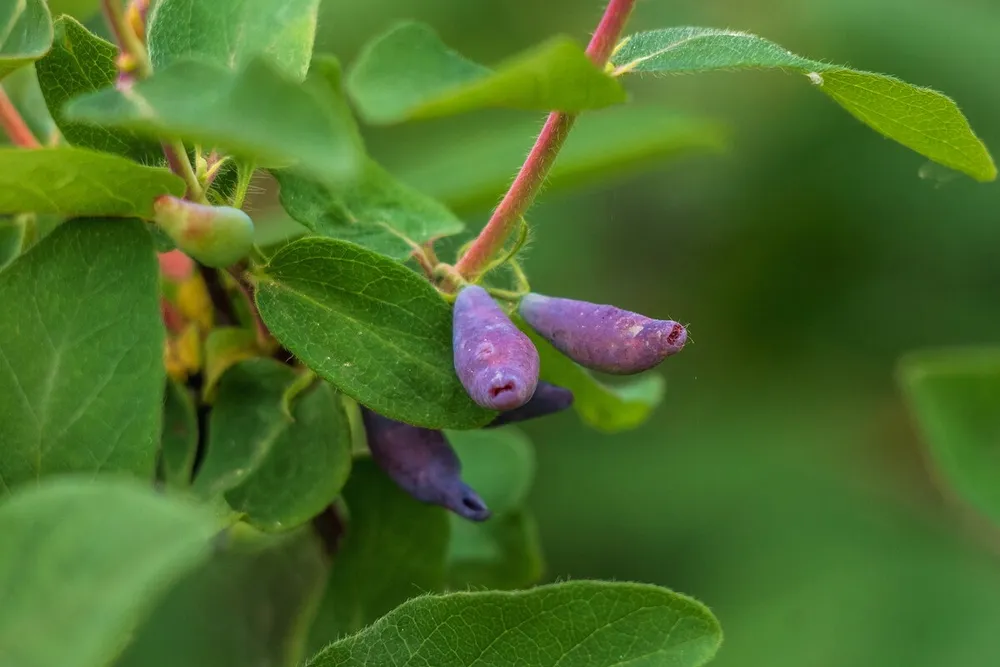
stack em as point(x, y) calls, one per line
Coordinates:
point(602, 337)
point(495, 361)
point(421, 462)
point(548, 399)
point(216, 236)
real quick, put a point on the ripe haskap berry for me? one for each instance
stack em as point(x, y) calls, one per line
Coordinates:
point(604, 338)
point(216, 236)
point(421, 462)
point(548, 399)
point(496, 362)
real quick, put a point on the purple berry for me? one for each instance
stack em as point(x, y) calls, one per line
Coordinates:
point(604, 338)
point(421, 462)
point(548, 399)
point(496, 362)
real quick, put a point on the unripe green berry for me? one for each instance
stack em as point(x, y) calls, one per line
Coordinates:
point(216, 236)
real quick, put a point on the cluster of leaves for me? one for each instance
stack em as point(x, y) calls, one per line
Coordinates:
point(258, 460)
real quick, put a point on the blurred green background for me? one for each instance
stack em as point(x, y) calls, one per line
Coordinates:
point(782, 482)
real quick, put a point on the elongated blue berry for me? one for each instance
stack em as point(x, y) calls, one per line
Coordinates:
point(496, 362)
point(216, 236)
point(548, 399)
point(601, 337)
point(421, 462)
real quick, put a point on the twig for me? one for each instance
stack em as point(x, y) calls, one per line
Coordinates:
point(531, 177)
point(224, 310)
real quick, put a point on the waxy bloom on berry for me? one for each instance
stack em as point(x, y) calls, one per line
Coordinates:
point(421, 462)
point(496, 362)
point(601, 337)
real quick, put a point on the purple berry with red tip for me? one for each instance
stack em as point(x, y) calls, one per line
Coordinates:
point(548, 399)
point(421, 462)
point(495, 361)
point(601, 337)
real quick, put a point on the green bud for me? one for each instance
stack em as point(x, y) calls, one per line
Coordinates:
point(216, 236)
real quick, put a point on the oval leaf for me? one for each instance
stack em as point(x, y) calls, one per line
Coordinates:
point(580, 623)
point(954, 396)
point(371, 327)
point(81, 354)
point(256, 114)
point(246, 606)
point(80, 182)
point(230, 33)
point(606, 408)
point(25, 33)
point(81, 62)
point(395, 548)
point(179, 440)
point(408, 73)
point(503, 553)
point(83, 561)
point(471, 173)
point(921, 119)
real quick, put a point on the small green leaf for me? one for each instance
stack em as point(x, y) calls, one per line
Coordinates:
point(369, 326)
point(503, 553)
point(256, 114)
point(579, 623)
point(395, 549)
point(81, 9)
point(83, 562)
point(25, 33)
point(954, 396)
point(231, 33)
point(249, 605)
point(225, 347)
point(408, 73)
point(304, 470)
point(244, 424)
point(81, 62)
point(11, 239)
point(81, 354)
point(471, 173)
point(179, 440)
point(606, 408)
point(80, 182)
point(376, 211)
point(921, 119)
point(498, 463)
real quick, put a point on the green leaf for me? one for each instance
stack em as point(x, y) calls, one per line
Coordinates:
point(471, 173)
point(81, 562)
point(408, 73)
point(80, 182)
point(249, 605)
point(607, 408)
point(371, 327)
point(24, 91)
point(225, 347)
point(11, 239)
point(25, 33)
point(579, 623)
point(376, 211)
point(921, 119)
point(304, 470)
point(179, 440)
point(81, 62)
point(81, 9)
point(81, 354)
point(256, 114)
point(498, 463)
point(395, 549)
point(231, 33)
point(503, 553)
point(954, 396)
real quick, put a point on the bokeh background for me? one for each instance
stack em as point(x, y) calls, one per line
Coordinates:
point(782, 482)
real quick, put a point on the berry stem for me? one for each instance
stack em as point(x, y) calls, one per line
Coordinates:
point(15, 127)
point(531, 177)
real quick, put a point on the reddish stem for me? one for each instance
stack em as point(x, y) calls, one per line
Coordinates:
point(15, 127)
point(531, 177)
